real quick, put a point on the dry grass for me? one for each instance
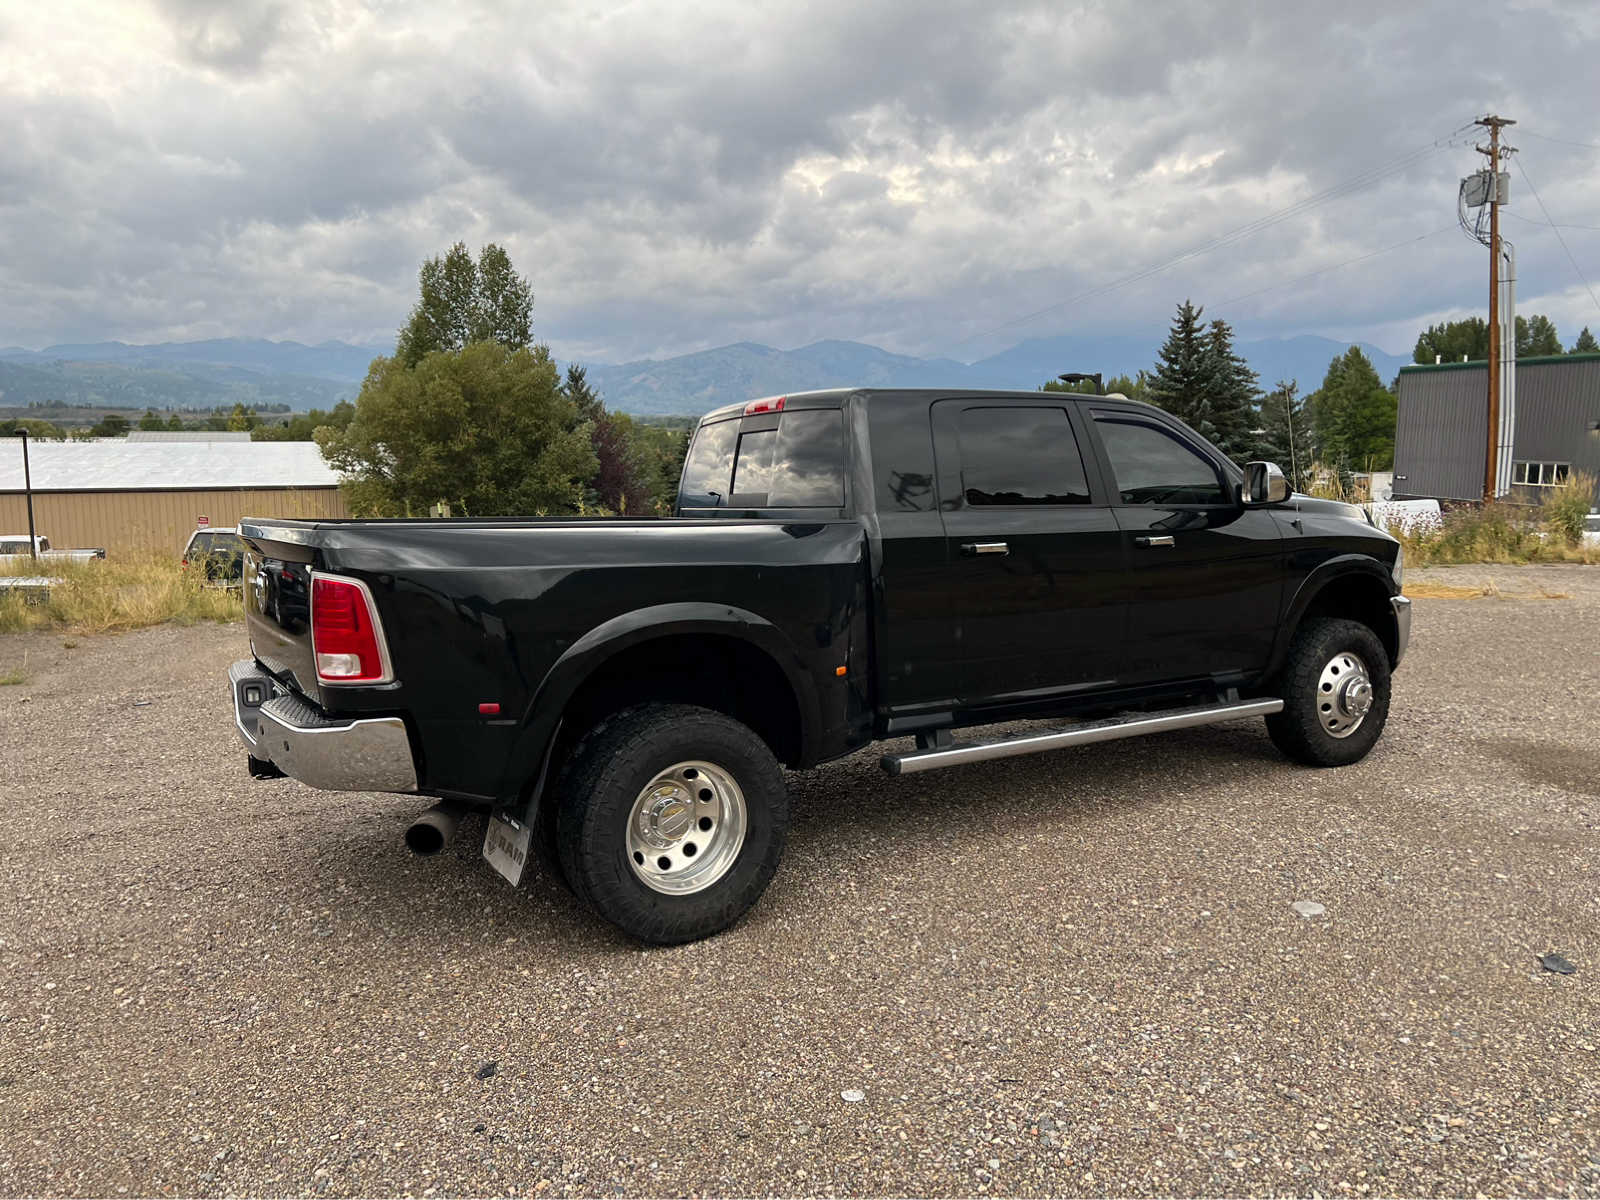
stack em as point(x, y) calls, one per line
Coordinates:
point(1492, 533)
point(116, 594)
point(1427, 589)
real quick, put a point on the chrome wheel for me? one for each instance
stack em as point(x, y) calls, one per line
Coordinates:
point(1344, 694)
point(686, 828)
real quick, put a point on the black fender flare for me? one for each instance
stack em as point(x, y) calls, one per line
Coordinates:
point(1334, 570)
point(529, 759)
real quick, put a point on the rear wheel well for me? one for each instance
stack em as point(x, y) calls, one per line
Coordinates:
point(1357, 598)
point(721, 673)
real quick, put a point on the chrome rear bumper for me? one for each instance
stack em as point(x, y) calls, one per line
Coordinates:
point(370, 754)
point(1402, 626)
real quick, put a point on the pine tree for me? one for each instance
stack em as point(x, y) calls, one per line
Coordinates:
point(1184, 379)
point(1234, 395)
point(583, 396)
point(1585, 343)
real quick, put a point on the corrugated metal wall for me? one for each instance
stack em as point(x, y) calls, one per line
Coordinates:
point(131, 522)
point(1557, 407)
point(1439, 436)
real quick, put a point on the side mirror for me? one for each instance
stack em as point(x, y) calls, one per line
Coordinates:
point(1263, 484)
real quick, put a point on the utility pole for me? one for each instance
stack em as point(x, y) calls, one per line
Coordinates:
point(1494, 153)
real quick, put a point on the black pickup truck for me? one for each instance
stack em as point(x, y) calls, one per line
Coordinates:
point(845, 566)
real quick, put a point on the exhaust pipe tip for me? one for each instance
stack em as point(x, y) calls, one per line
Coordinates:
point(430, 833)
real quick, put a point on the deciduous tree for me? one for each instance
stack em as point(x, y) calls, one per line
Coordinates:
point(485, 429)
point(463, 301)
point(1537, 336)
point(1354, 415)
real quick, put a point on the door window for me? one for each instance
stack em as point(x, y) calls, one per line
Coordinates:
point(1018, 456)
point(1152, 466)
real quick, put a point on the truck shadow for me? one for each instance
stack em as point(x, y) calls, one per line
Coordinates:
point(836, 810)
point(1070, 785)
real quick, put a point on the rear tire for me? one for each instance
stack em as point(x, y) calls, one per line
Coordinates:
point(1335, 691)
point(672, 821)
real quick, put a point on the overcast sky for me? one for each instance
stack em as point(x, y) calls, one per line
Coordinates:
point(675, 176)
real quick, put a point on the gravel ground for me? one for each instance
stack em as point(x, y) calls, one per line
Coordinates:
point(1078, 972)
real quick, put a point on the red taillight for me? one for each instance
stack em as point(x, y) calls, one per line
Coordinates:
point(344, 632)
point(761, 406)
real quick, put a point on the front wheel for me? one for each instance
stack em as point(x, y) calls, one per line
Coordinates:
point(1335, 691)
point(672, 821)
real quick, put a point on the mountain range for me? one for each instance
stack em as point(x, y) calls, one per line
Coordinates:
point(259, 372)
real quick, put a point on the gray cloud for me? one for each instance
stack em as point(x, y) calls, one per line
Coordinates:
point(674, 176)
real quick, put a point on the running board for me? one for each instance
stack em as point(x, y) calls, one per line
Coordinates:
point(1078, 735)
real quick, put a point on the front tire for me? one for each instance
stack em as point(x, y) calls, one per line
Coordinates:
point(672, 821)
point(1335, 691)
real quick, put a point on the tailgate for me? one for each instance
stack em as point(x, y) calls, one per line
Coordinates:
point(277, 603)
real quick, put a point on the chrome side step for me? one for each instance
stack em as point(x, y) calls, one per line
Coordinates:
point(1110, 730)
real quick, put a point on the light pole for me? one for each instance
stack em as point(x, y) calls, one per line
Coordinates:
point(27, 487)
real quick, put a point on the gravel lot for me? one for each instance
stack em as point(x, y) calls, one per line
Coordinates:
point(1078, 972)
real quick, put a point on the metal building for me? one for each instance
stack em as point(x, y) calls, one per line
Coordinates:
point(1439, 442)
point(148, 495)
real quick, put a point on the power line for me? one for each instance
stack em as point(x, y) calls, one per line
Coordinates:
point(1569, 225)
point(1544, 137)
point(1577, 270)
point(1351, 184)
point(1349, 262)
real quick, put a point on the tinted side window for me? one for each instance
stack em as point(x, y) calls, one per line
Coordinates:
point(800, 464)
point(1012, 456)
point(709, 466)
point(1152, 466)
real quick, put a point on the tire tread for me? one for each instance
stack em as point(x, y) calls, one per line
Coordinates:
point(607, 766)
point(1297, 730)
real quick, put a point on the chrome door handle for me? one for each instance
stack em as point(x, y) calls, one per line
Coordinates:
point(1163, 540)
point(971, 548)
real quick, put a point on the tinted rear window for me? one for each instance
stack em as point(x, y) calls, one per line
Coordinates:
point(800, 464)
point(219, 543)
point(709, 467)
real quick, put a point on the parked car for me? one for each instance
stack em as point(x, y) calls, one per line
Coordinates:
point(219, 552)
point(844, 566)
point(14, 549)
